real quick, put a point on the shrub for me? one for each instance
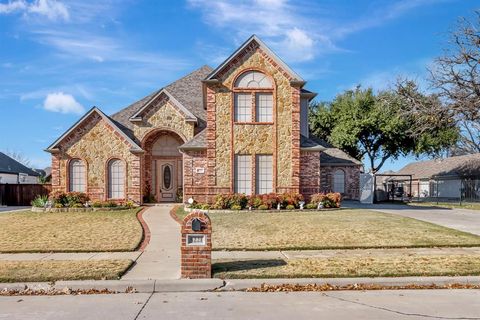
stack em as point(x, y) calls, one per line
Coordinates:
point(329, 200)
point(290, 207)
point(236, 207)
point(255, 201)
point(290, 198)
point(221, 201)
point(310, 206)
point(40, 201)
point(129, 204)
point(109, 204)
point(226, 201)
point(205, 206)
point(238, 199)
point(58, 197)
point(58, 205)
point(262, 207)
point(270, 200)
point(73, 198)
point(97, 204)
point(77, 205)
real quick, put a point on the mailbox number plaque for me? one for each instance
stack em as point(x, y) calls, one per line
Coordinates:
point(196, 239)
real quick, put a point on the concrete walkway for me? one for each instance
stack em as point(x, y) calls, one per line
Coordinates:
point(460, 219)
point(12, 208)
point(293, 254)
point(70, 256)
point(161, 258)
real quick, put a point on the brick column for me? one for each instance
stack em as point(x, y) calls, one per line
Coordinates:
point(296, 139)
point(196, 246)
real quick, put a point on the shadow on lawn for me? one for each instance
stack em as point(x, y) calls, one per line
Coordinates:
point(244, 265)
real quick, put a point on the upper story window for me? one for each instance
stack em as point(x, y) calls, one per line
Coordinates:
point(77, 176)
point(253, 100)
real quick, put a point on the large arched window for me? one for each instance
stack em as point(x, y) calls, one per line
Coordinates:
point(77, 181)
point(253, 92)
point(116, 179)
point(339, 181)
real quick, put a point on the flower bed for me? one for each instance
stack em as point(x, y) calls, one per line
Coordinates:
point(271, 201)
point(59, 201)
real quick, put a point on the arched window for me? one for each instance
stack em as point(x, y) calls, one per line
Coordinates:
point(116, 179)
point(339, 181)
point(253, 79)
point(77, 176)
point(253, 89)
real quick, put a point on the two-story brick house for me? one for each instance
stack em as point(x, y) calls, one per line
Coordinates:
point(241, 127)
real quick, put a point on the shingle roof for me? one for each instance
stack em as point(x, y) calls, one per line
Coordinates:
point(197, 142)
point(187, 90)
point(467, 165)
point(9, 165)
point(330, 155)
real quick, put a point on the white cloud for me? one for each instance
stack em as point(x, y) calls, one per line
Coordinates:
point(51, 9)
point(63, 103)
point(298, 30)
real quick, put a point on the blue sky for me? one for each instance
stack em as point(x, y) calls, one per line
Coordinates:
point(59, 58)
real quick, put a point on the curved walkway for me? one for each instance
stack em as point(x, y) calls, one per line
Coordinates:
point(161, 258)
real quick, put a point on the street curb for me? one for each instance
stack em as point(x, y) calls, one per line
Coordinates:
point(242, 284)
point(204, 285)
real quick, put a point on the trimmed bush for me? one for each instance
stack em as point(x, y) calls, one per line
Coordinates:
point(236, 207)
point(262, 207)
point(290, 207)
point(40, 202)
point(329, 200)
point(310, 206)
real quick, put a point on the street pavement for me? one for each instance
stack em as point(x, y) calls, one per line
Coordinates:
point(388, 304)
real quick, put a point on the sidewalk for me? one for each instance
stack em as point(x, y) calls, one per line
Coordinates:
point(161, 258)
point(267, 255)
point(70, 256)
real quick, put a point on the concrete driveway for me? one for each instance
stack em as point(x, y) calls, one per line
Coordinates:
point(460, 219)
point(12, 208)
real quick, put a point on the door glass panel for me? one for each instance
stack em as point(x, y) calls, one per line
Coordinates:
point(167, 177)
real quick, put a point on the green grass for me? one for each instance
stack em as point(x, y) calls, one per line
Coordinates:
point(340, 229)
point(464, 205)
point(381, 266)
point(27, 231)
point(51, 270)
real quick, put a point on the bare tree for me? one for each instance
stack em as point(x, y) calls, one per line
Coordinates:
point(456, 76)
point(18, 156)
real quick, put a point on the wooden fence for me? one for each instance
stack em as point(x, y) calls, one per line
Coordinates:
point(22, 194)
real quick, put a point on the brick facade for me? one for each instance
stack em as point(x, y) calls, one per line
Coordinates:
point(209, 169)
point(352, 180)
point(196, 260)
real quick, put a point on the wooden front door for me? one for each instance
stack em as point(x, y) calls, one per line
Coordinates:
point(166, 180)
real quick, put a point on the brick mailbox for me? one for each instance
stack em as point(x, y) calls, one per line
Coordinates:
point(196, 246)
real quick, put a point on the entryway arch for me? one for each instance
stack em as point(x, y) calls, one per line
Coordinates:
point(163, 176)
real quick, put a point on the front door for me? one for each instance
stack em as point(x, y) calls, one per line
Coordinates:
point(166, 180)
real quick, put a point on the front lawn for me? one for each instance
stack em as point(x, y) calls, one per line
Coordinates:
point(51, 270)
point(348, 228)
point(27, 231)
point(381, 266)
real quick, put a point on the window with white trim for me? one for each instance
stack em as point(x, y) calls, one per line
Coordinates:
point(116, 179)
point(253, 79)
point(243, 107)
point(264, 107)
point(77, 176)
point(243, 174)
point(264, 172)
point(339, 181)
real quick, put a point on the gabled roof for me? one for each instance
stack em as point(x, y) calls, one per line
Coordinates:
point(196, 143)
point(135, 146)
point(459, 166)
point(188, 91)
point(9, 165)
point(330, 156)
point(188, 115)
point(264, 47)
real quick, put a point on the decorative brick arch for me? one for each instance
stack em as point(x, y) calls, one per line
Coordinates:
point(147, 144)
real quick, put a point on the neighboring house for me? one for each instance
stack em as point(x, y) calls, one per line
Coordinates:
point(444, 178)
point(13, 172)
point(241, 127)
